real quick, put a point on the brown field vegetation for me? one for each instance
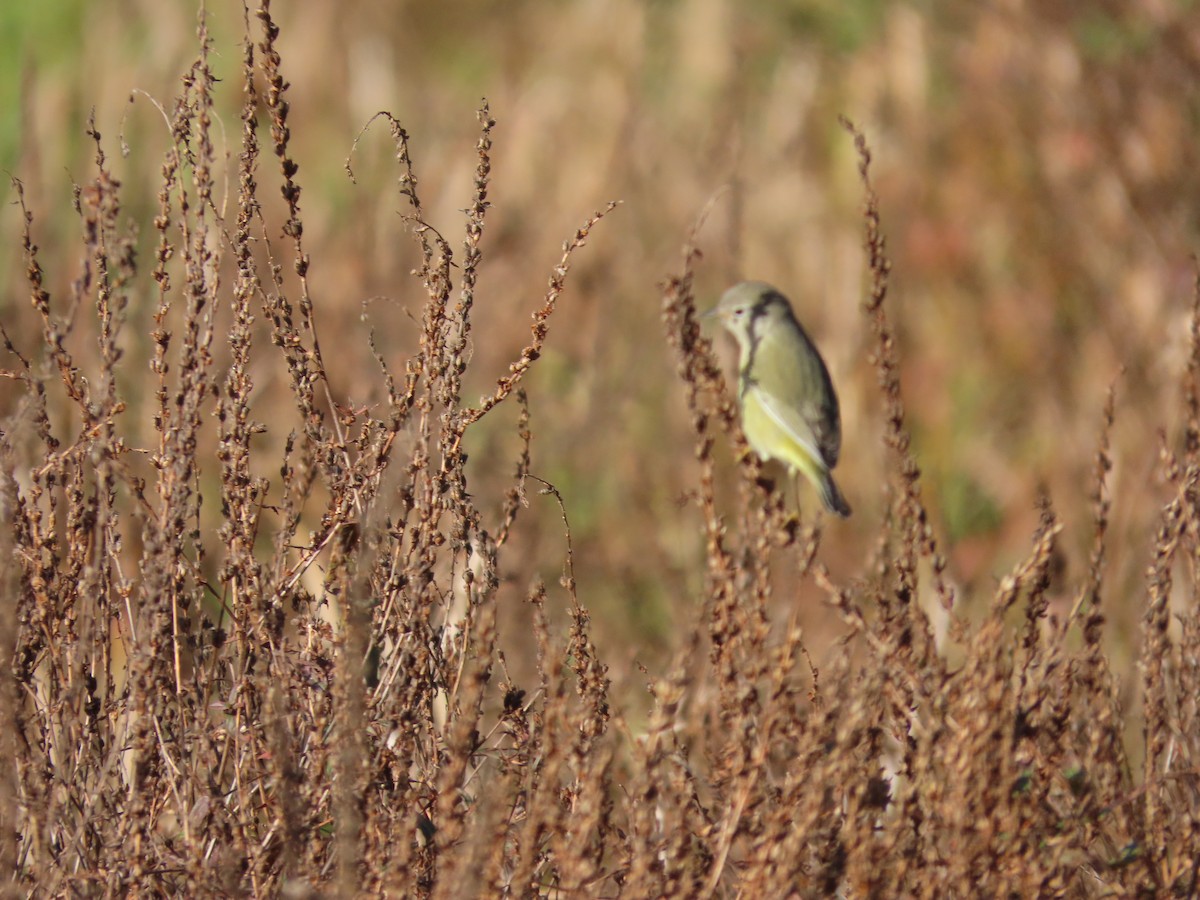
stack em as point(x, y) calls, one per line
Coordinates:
point(366, 537)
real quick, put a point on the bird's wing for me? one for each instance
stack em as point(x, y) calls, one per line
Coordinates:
point(816, 424)
point(827, 427)
point(795, 425)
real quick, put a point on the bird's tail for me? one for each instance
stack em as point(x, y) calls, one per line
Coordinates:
point(832, 497)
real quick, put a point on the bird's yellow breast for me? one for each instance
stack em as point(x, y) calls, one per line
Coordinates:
point(772, 441)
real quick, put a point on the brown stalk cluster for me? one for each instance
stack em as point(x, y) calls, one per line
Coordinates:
point(303, 692)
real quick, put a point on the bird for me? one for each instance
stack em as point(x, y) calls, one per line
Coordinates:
point(789, 407)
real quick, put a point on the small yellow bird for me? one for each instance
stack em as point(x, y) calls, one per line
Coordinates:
point(789, 408)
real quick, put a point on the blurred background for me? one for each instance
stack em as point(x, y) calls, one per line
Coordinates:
point(1037, 168)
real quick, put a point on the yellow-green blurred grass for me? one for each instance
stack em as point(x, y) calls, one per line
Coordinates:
point(1037, 168)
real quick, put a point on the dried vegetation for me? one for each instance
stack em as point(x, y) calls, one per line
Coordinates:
point(303, 692)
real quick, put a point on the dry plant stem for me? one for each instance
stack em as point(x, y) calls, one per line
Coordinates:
point(349, 591)
point(1157, 653)
point(308, 365)
point(1089, 598)
point(515, 498)
point(1101, 716)
point(10, 700)
point(920, 539)
point(242, 493)
point(533, 351)
point(1191, 386)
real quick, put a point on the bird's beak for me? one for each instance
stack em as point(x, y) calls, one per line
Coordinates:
point(714, 313)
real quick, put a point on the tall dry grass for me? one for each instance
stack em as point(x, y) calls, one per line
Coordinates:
point(269, 634)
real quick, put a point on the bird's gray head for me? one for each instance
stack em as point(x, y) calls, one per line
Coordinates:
point(746, 308)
